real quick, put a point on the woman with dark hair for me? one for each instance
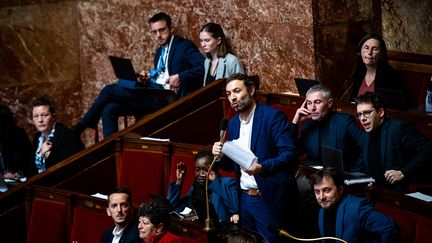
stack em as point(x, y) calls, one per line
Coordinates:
point(15, 147)
point(153, 222)
point(220, 61)
point(372, 69)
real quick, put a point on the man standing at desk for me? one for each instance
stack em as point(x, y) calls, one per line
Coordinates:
point(269, 191)
point(179, 66)
point(395, 154)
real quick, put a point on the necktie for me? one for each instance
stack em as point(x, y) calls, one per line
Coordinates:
point(160, 67)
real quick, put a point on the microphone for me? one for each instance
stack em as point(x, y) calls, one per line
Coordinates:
point(208, 221)
point(223, 125)
point(277, 230)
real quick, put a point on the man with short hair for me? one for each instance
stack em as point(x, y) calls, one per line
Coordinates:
point(125, 229)
point(347, 217)
point(326, 127)
point(267, 189)
point(395, 154)
point(179, 66)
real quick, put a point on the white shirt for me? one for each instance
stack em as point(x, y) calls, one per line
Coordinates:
point(162, 77)
point(117, 234)
point(246, 181)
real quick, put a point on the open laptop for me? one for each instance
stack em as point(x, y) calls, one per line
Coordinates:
point(394, 99)
point(303, 85)
point(127, 77)
point(334, 158)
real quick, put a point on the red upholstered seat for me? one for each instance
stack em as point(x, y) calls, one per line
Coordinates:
point(48, 221)
point(404, 219)
point(288, 110)
point(144, 173)
point(423, 230)
point(88, 225)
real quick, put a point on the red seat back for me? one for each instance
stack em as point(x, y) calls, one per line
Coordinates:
point(144, 173)
point(48, 221)
point(404, 219)
point(88, 225)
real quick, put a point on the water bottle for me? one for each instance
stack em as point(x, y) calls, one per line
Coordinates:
point(428, 102)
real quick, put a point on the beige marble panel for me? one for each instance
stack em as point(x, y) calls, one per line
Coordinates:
point(39, 55)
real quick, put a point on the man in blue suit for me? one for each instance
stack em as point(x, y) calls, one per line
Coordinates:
point(179, 66)
point(347, 217)
point(322, 126)
point(395, 154)
point(120, 209)
point(268, 191)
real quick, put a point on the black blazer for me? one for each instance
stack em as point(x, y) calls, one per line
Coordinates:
point(130, 234)
point(64, 144)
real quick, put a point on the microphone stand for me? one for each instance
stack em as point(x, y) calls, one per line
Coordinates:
point(208, 223)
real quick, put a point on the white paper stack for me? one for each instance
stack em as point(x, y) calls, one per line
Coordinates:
point(243, 157)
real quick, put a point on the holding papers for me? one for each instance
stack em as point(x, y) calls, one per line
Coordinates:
point(243, 157)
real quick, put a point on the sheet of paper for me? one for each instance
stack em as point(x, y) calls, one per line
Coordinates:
point(155, 139)
point(243, 157)
point(359, 181)
point(101, 196)
point(420, 196)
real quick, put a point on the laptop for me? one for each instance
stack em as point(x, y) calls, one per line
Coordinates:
point(334, 158)
point(303, 85)
point(126, 75)
point(393, 98)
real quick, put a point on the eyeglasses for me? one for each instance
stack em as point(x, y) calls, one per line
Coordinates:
point(160, 31)
point(365, 114)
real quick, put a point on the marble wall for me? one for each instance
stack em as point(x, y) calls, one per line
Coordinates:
point(407, 25)
point(60, 47)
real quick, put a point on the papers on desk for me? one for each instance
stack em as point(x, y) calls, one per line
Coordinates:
point(243, 157)
point(420, 196)
point(155, 139)
point(359, 181)
point(101, 196)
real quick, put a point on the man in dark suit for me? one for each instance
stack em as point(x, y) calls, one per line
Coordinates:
point(346, 217)
point(268, 190)
point(179, 66)
point(322, 126)
point(395, 154)
point(125, 229)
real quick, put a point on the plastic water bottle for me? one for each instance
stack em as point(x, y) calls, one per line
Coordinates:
point(428, 102)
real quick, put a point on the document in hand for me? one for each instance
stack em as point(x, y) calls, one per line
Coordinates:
point(243, 157)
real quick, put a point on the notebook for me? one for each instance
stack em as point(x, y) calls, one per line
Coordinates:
point(126, 75)
point(303, 85)
point(393, 99)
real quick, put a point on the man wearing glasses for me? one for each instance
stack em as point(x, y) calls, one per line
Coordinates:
point(179, 66)
point(395, 154)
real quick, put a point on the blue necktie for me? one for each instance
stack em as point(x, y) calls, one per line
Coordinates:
point(160, 67)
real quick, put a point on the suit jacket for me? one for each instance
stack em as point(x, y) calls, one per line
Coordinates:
point(358, 221)
point(185, 60)
point(402, 148)
point(224, 197)
point(130, 234)
point(344, 134)
point(226, 67)
point(273, 143)
point(64, 144)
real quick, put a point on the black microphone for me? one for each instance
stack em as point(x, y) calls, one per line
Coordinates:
point(223, 127)
point(276, 230)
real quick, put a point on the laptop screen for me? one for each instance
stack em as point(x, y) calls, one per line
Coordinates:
point(303, 85)
point(123, 68)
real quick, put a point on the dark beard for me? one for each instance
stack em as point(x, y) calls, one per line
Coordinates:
point(246, 104)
